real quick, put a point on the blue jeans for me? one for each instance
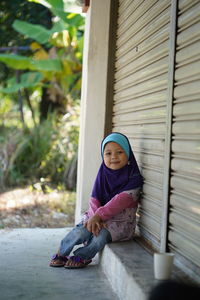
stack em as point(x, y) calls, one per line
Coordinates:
point(79, 235)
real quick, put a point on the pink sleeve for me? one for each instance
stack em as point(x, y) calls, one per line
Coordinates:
point(116, 205)
point(93, 206)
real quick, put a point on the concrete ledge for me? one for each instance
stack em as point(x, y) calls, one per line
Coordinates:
point(129, 268)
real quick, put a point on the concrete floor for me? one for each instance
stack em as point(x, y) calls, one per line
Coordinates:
point(25, 271)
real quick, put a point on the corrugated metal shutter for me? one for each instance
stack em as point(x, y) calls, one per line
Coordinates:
point(184, 234)
point(140, 97)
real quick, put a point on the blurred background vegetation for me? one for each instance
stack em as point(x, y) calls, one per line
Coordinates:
point(41, 48)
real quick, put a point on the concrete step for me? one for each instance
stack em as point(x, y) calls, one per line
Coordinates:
point(25, 273)
point(129, 268)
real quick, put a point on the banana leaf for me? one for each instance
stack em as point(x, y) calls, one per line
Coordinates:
point(47, 65)
point(36, 32)
point(59, 8)
point(19, 62)
point(55, 6)
point(27, 80)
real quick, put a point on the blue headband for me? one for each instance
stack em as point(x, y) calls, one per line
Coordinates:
point(119, 139)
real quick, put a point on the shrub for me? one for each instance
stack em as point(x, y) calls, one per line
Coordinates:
point(44, 151)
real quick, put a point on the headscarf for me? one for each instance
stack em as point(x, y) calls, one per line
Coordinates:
point(110, 182)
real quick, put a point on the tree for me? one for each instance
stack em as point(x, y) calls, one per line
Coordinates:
point(55, 60)
point(10, 39)
point(21, 10)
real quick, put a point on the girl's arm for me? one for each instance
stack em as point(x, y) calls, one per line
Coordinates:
point(93, 223)
point(93, 206)
point(117, 204)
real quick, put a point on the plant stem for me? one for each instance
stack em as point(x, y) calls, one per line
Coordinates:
point(20, 98)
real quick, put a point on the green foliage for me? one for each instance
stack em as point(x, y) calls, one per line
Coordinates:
point(59, 8)
point(21, 10)
point(16, 61)
point(41, 152)
point(29, 79)
point(22, 62)
point(36, 32)
point(32, 151)
point(47, 65)
point(56, 6)
point(63, 67)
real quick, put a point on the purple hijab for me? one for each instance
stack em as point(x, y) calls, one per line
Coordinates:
point(110, 182)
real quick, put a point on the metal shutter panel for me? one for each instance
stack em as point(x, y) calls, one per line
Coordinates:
point(184, 233)
point(140, 96)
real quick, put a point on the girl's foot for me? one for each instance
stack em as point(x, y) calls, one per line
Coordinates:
point(58, 260)
point(76, 262)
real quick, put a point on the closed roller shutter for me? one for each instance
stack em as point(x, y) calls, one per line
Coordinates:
point(140, 97)
point(184, 233)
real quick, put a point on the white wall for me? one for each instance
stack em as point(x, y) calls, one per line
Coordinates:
point(93, 99)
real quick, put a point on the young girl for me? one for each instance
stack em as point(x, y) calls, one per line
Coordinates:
point(112, 209)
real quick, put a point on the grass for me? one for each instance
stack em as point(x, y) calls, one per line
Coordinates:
point(28, 208)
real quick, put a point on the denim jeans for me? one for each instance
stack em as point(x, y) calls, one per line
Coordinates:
point(79, 235)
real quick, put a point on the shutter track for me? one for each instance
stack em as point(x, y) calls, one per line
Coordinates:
point(184, 219)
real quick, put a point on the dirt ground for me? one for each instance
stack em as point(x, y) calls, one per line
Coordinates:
point(24, 208)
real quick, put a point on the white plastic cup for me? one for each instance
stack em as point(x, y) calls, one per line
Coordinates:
point(163, 263)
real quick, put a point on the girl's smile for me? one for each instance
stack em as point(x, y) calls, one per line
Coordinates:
point(114, 156)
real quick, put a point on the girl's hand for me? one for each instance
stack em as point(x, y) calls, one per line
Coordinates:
point(94, 224)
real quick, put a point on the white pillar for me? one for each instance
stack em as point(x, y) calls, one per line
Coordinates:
point(93, 99)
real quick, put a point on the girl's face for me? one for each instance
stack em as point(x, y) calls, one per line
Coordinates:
point(114, 156)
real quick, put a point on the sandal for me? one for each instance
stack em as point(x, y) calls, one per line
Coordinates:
point(76, 262)
point(58, 260)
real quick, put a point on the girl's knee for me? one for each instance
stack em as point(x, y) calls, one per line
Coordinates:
point(77, 234)
point(107, 234)
point(104, 236)
point(79, 231)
